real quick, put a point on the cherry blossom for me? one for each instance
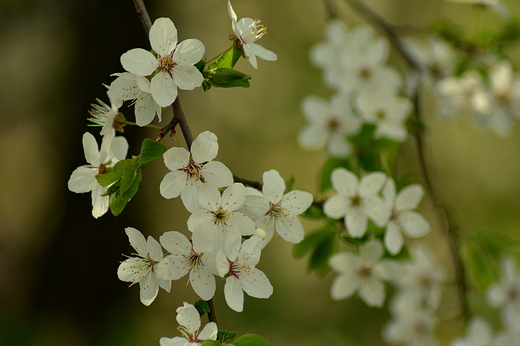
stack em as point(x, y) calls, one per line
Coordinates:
point(83, 179)
point(237, 263)
point(329, 124)
point(479, 333)
point(403, 218)
point(189, 324)
point(357, 201)
point(129, 86)
point(170, 66)
point(363, 273)
point(506, 294)
point(247, 32)
point(104, 115)
point(190, 170)
point(185, 257)
point(219, 222)
point(272, 210)
point(142, 268)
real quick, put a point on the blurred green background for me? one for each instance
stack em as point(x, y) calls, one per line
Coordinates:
point(58, 283)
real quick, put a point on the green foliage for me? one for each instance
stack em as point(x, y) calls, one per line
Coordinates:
point(450, 32)
point(509, 33)
point(331, 164)
point(227, 59)
point(211, 343)
point(289, 184)
point(224, 335)
point(482, 253)
point(123, 179)
point(150, 150)
point(314, 212)
point(367, 150)
point(223, 77)
point(202, 307)
point(356, 241)
point(321, 244)
point(251, 340)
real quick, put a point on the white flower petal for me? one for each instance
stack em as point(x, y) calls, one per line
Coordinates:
point(409, 197)
point(372, 292)
point(188, 53)
point(371, 252)
point(204, 147)
point(262, 53)
point(137, 240)
point(187, 77)
point(233, 294)
point(82, 179)
point(172, 184)
point(203, 282)
point(139, 61)
point(344, 181)
point(256, 284)
point(209, 332)
point(336, 206)
point(149, 289)
point(343, 287)
point(393, 238)
point(188, 317)
point(164, 89)
point(356, 223)
point(414, 224)
point(163, 36)
point(274, 186)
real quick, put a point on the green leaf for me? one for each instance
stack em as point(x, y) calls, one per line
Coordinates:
point(289, 184)
point(206, 85)
point(251, 340)
point(210, 343)
point(202, 307)
point(311, 240)
point(481, 267)
point(356, 241)
point(227, 59)
point(119, 199)
point(315, 212)
point(319, 258)
point(150, 150)
point(223, 77)
point(200, 65)
point(510, 33)
point(224, 335)
point(326, 171)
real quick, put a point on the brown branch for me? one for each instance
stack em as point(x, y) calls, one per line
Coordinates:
point(444, 216)
point(143, 15)
point(252, 183)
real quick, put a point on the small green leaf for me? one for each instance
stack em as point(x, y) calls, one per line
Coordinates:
point(289, 184)
point(227, 59)
point(319, 258)
point(200, 65)
point(356, 241)
point(227, 78)
point(150, 150)
point(251, 340)
point(119, 199)
point(510, 33)
point(315, 212)
point(311, 240)
point(202, 307)
point(481, 268)
point(211, 343)
point(206, 85)
point(224, 335)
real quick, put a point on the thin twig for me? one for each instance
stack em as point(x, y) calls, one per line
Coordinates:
point(445, 217)
point(212, 315)
point(252, 183)
point(143, 15)
point(185, 128)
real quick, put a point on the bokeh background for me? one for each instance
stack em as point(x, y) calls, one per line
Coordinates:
point(58, 283)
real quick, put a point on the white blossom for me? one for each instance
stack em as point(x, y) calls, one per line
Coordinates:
point(329, 123)
point(189, 324)
point(479, 333)
point(357, 201)
point(387, 111)
point(170, 66)
point(190, 170)
point(191, 257)
point(83, 179)
point(272, 210)
point(219, 222)
point(403, 218)
point(506, 294)
point(104, 115)
point(129, 86)
point(363, 273)
point(247, 32)
point(142, 268)
point(237, 263)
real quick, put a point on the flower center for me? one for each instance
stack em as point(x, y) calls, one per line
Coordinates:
point(194, 260)
point(365, 73)
point(254, 32)
point(141, 268)
point(333, 125)
point(276, 210)
point(381, 115)
point(355, 201)
point(166, 64)
point(220, 216)
point(193, 171)
point(365, 272)
point(191, 336)
point(235, 268)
